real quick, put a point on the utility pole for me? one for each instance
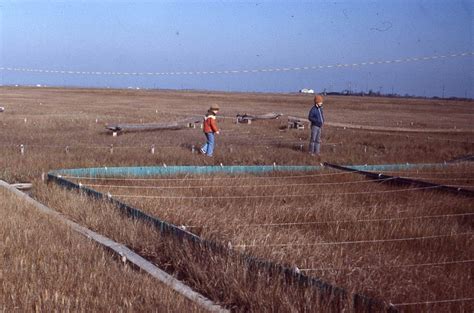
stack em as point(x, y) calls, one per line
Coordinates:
point(443, 92)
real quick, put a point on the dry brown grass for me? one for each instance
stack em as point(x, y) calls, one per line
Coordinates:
point(46, 267)
point(68, 118)
point(260, 214)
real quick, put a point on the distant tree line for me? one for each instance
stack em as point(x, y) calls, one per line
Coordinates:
point(371, 93)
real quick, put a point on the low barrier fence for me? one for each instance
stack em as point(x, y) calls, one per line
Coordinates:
point(335, 295)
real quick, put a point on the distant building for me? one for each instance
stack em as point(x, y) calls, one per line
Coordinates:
point(305, 90)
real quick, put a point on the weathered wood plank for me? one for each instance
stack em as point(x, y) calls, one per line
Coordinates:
point(155, 126)
point(242, 118)
point(125, 253)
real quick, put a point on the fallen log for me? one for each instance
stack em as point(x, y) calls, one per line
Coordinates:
point(244, 118)
point(297, 119)
point(294, 119)
point(155, 126)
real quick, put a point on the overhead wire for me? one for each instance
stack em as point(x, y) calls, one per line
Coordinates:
point(237, 186)
point(428, 302)
point(239, 71)
point(333, 243)
point(275, 196)
point(387, 266)
point(236, 176)
point(369, 220)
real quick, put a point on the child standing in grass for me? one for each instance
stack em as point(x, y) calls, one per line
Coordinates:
point(316, 117)
point(210, 129)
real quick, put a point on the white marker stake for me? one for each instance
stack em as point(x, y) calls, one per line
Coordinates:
point(22, 149)
point(152, 150)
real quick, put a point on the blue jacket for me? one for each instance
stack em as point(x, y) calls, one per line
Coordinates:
point(316, 116)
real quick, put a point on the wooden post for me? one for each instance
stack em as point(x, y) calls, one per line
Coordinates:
point(152, 150)
point(193, 149)
point(111, 148)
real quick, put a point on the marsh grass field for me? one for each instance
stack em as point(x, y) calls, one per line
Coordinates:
point(400, 245)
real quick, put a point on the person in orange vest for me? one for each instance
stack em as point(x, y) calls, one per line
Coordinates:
point(316, 117)
point(210, 129)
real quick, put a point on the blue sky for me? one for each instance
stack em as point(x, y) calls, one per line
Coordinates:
point(166, 36)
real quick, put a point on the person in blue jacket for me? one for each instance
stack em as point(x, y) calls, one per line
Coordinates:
point(316, 117)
